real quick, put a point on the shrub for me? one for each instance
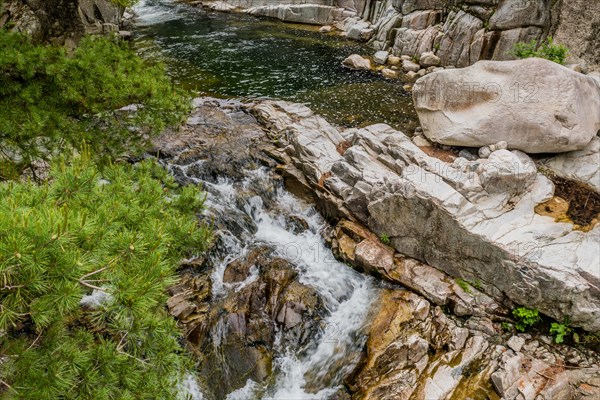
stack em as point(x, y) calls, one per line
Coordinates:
point(526, 318)
point(117, 235)
point(547, 49)
point(51, 101)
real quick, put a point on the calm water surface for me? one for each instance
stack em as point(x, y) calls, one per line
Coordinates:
point(240, 56)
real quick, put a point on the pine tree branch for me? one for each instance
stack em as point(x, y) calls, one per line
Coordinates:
point(86, 284)
point(94, 272)
point(135, 358)
point(11, 287)
point(34, 342)
point(120, 345)
point(8, 386)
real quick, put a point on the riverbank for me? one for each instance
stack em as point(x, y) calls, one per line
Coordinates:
point(432, 333)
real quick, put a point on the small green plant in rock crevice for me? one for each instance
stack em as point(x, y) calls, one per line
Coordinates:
point(560, 331)
point(384, 238)
point(546, 49)
point(464, 285)
point(507, 326)
point(526, 318)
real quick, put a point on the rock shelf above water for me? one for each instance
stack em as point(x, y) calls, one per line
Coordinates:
point(474, 220)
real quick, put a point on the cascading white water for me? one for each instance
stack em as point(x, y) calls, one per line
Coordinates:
point(347, 295)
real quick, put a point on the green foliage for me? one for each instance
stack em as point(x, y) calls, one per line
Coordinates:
point(464, 285)
point(384, 238)
point(121, 232)
point(547, 49)
point(51, 101)
point(526, 318)
point(125, 3)
point(507, 326)
point(560, 331)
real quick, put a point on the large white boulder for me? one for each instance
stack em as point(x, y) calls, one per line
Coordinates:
point(535, 105)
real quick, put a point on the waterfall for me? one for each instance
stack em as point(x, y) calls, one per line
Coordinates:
point(347, 296)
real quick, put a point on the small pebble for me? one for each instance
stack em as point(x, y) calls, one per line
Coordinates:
point(501, 145)
point(484, 152)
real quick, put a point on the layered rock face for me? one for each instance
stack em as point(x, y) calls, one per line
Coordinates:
point(535, 105)
point(474, 220)
point(578, 27)
point(318, 12)
point(60, 19)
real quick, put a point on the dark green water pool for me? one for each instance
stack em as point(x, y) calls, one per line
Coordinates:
point(240, 56)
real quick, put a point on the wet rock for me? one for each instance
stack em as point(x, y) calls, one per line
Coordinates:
point(296, 224)
point(388, 73)
point(326, 29)
point(356, 61)
point(484, 111)
point(235, 339)
point(218, 135)
point(179, 307)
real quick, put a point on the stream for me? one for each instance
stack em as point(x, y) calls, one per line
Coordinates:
point(244, 57)
point(314, 371)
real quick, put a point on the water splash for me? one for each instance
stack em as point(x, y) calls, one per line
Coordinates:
point(318, 370)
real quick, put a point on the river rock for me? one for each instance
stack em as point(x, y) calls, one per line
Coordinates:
point(356, 61)
point(415, 351)
point(410, 66)
point(388, 73)
point(234, 340)
point(394, 60)
point(381, 57)
point(429, 59)
point(214, 132)
point(535, 105)
point(421, 141)
point(326, 29)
